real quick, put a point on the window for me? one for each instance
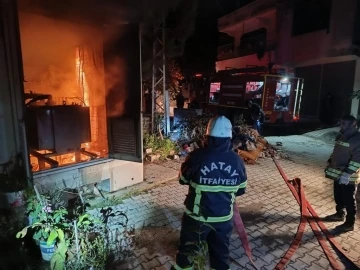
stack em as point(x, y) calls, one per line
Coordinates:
point(282, 96)
point(254, 91)
point(214, 93)
point(253, 41)
point(311, 16)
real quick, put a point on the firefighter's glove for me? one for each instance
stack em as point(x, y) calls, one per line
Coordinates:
point(344, 178)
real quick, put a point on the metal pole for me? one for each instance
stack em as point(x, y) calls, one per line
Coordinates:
point(77, 241)
point(153, 88)
point(165, 91)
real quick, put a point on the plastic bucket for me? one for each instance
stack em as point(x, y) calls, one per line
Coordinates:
point(12, 199)
point(47, 251)
point(37, 242)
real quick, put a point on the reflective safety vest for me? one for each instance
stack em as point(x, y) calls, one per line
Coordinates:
point(345, 158)
point(215, 177)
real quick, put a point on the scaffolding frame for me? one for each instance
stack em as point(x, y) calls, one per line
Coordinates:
point(159, 76)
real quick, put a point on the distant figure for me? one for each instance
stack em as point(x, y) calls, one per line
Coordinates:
point(343, 168)
point(257, 115)
point(180, 100)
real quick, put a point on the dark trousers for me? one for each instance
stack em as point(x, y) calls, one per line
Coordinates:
point(257, 123)
point(217, 236)
point(345, 199)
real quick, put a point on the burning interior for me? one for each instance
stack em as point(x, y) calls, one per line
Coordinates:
point(64, 91)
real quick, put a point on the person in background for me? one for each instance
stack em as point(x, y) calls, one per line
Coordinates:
point(215, 176)
point(343, 167)
point(257, 116)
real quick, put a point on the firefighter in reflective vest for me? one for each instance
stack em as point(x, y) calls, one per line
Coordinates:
point(215, 175)
point(343, 167)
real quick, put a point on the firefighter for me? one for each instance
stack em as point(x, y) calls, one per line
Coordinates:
point(257, 115)
point(215, 175)
point(343, 167)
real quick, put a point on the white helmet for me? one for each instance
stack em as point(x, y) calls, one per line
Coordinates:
point(220, 127)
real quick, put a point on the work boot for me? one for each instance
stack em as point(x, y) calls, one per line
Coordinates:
point(345, 227)
point(335, 217)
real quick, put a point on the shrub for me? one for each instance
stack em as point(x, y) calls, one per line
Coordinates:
point(161, 146)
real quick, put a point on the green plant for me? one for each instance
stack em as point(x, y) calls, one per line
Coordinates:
point(161, 146)
point(83, 239)
point(199, 255)
point(33, 207)
point(50, 227)
point(89, 247)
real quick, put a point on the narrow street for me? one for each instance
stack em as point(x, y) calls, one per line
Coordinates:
point(270, 212)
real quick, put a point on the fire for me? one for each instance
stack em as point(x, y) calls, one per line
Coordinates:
point(81, 77)
point(61, 59)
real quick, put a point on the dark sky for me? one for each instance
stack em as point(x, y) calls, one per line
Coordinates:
point(200, 50)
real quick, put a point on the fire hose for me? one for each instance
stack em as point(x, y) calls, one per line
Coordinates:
point(308, 215)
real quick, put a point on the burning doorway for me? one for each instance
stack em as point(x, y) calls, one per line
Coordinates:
point(65, 93)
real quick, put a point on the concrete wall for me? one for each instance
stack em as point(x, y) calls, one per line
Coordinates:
point(11, 105)
point(334, 41)
point(319, 44)
point(266, 19)
point(340, 82)
point(119, 173)
point(241, 62)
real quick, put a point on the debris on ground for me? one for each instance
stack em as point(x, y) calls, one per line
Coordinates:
point(246, 141)
point(251, 146)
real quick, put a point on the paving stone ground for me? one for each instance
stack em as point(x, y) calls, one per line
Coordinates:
point(270, 213)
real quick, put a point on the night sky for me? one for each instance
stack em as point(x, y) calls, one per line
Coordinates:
point(200, 50)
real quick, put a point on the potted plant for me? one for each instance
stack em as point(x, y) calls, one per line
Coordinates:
point(33, 208)
point(49, 230)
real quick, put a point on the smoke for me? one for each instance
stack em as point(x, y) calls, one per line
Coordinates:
point(116, 84)
point(64, 59)
point(52, 31)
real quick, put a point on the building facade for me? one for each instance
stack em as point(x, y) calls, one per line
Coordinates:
point(317, 40)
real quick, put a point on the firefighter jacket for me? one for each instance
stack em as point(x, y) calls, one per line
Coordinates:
point(215, 175)
point(345, 157)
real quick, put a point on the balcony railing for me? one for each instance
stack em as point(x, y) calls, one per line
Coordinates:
point(245, 12)
point(225, 51)
point(228, 51)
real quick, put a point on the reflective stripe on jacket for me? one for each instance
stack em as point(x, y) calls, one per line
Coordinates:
point(215, 175)
point(345, 157)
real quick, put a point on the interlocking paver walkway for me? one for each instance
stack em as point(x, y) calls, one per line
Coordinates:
point(270, 213)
